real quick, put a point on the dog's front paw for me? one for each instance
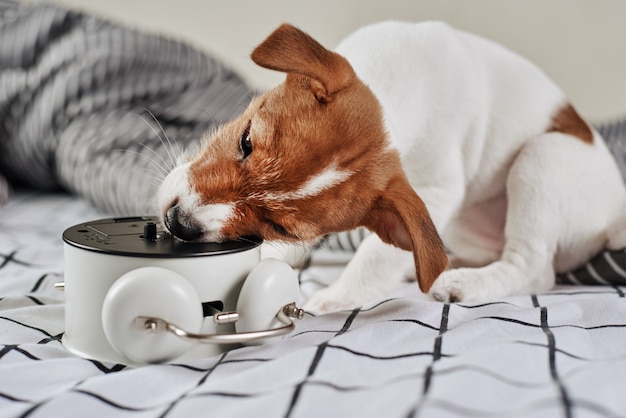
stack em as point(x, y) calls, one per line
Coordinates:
point(475, 284)
point(454, 286)
point(329, 300)
point(445, 293)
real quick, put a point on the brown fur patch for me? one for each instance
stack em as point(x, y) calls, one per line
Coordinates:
point(322, 117)
point(400, 217)
point(566, 120)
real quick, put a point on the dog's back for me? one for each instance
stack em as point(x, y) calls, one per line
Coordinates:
point(456, 102)
point(476, 100)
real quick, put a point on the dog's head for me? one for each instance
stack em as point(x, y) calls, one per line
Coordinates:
point(305, 159)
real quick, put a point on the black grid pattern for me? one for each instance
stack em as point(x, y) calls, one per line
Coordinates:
point(561, 353)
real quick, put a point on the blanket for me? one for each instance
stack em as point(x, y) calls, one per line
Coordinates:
point(101, 110)
point(556, 354)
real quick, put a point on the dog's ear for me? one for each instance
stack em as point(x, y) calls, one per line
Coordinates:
point(400, 217)
point(292, 51)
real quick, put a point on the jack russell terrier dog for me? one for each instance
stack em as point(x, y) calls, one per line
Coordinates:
point(415, 131)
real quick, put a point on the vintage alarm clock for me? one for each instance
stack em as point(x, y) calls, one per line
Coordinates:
point(134, 294)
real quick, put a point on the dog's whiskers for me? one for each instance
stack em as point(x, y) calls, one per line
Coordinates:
point(164, 168)
point(155, 179)
point(168, 145)
point(158, 169)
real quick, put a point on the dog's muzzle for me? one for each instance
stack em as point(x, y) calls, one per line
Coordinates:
point(180, 225)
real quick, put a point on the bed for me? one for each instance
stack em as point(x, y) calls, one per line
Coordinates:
point(559, 353)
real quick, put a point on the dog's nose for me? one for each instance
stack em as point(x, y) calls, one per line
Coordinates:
point(181, 226)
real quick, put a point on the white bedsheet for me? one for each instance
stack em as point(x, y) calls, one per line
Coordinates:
point(558, 354)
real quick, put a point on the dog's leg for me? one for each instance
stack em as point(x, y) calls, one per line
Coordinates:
point(377, 267)
point(373, 271)
point(553, 205)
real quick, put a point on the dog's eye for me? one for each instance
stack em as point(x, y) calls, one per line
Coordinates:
point(245, 144)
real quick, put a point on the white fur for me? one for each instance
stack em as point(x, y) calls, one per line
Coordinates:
point(174, 187)
point(327, 178)
point(212, 217)
point(512, 203)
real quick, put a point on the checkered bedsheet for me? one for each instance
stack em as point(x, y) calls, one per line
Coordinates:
point(557, 354)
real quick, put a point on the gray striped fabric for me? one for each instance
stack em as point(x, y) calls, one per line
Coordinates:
point(608, 267)
point(91, 107)
point(614, 133)
point(87, 105)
